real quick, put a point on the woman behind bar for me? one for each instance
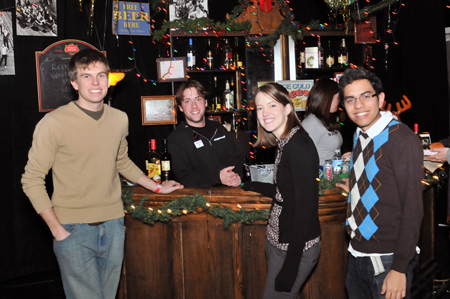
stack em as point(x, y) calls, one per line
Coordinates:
point(320, 119)
point(293, 230)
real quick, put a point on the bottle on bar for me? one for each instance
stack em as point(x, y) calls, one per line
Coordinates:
point(228, 55)
point(216, 104)
point(329, 56)
point(191, 56)
point(320, 54)
point(153, 162)
point(165, 163)
point(209, 57)
point(343, 54)
point(228, 101)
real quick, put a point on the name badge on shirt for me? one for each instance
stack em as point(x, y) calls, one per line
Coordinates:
point(198, 144)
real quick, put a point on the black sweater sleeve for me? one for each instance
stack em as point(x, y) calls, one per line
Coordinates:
point(299, 222)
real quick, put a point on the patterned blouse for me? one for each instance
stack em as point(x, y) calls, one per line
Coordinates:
point(273, 225)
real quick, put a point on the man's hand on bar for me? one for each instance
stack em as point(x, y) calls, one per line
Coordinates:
point(344, 186)
point(230, 178)
point(166, 187)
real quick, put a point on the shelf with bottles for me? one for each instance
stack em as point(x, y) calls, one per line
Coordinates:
point(219, 57)
point(337, 49)
point(213, 52)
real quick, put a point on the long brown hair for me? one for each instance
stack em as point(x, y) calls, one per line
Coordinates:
point(319, 102)
point(281, 95)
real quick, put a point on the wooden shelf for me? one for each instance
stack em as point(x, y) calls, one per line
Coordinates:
point(206, 33)
point(328, 33)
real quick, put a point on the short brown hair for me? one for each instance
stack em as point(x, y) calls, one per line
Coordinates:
point(281, 95)
point(84, 59)
point(188, 84)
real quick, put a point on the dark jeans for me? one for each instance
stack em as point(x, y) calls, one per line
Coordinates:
point(275, 260)
point(361, 282)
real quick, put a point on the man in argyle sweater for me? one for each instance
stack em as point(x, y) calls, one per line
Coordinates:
point(384, 212)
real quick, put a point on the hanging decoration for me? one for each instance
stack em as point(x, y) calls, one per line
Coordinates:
point(363, 14)
point(116, 20)
point(263, 19)
point(91, 18)
point(339, 8)
point(266, 5)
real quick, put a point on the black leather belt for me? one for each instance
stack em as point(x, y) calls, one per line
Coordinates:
point(96, 223)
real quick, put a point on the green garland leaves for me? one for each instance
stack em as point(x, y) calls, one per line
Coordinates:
point(187, 205)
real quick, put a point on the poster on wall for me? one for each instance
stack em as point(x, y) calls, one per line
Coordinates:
point(131, 18)
point(53, 82)
point(298, 91)
point(36, 18)
point(7, 66)
point(187, 9)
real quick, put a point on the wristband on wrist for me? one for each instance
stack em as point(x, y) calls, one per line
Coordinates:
point(157, 188)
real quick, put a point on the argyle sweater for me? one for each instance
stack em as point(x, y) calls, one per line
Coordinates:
point(384, 211)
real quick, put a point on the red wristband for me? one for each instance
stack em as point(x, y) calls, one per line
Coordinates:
point(157, 188)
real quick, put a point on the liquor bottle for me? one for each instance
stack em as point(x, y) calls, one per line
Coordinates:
point(233, 91)
point(329, 56)
point(228, 55)
point(337, 162)
point(301, 61)
point(343, 54)
point(228, 101)
point(154, 162)
point(237, 59)
point(191, 56)
point(416, 129)
point(320, 53)
point(209, 57)
point(165, 163)
point(216, 102)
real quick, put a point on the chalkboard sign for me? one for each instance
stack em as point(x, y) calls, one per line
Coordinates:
point(54, 88)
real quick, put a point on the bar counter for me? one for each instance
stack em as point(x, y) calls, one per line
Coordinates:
point(194, 256)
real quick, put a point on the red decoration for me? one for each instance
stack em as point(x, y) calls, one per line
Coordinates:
point(265, 5)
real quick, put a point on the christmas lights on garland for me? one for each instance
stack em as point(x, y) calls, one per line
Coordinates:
point(198, 204)
point(187, 205)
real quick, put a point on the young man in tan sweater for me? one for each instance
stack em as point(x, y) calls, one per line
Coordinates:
point(84, 143)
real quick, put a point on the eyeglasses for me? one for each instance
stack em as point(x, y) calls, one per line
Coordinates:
point(364, 97)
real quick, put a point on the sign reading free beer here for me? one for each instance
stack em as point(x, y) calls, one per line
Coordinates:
point(132, 18)
point(298, 91)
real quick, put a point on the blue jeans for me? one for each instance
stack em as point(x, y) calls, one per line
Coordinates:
point(361, 282)
point(90, 259)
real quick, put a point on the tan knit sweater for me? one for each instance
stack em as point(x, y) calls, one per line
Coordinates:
point(86, 157)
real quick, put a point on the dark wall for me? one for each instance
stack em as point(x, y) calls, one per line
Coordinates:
point(417, 68)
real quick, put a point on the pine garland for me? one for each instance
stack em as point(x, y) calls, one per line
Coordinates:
point(197, 204)
point(187, 205)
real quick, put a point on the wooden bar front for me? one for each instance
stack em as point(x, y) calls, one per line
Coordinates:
point(193, 256)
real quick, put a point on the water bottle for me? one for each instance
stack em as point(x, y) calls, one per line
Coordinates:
point(337, 163)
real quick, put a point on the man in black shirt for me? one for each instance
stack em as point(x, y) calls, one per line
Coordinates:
point(203, 152)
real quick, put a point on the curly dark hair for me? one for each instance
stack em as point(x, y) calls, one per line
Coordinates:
point(354, 74)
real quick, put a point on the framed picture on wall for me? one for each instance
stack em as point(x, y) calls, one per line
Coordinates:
point(171, 69)
point(338, 76)
point(187, 9)
point(158, 110)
